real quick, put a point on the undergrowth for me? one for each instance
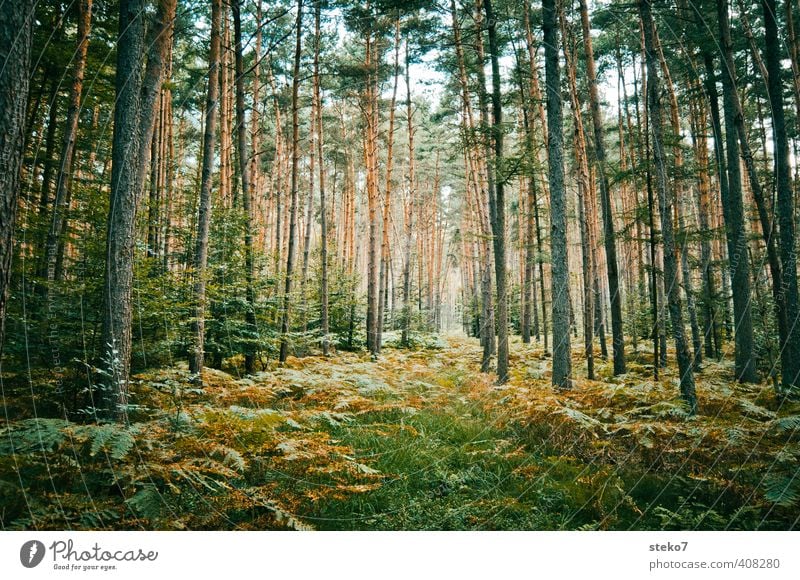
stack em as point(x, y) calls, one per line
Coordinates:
point(416, 440)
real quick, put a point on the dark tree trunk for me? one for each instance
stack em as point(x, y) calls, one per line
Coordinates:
point(292, 250)
point(790, 349)
point(134, 114)
point(665, 202)
point(497, 199)
point(733, 212)
point(196, 356)
point(244, 157)
point(562, 363)
point(16, 31)
point(609, 236)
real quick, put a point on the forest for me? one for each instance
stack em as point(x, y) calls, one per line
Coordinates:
point(399, 265)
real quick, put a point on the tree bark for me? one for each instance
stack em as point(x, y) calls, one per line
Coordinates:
point(284, 349)
point(562, 363)
point(68, 145)
point(196, 355)
point(609, 236)
point(497, 199)
point(16, 33)
point(665, 206)
point(733, 212)
point(790, 349)
point(134, 116)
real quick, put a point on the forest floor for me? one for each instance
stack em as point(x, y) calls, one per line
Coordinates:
point(415, 440)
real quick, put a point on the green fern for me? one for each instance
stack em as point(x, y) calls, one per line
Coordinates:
point(32, 435)
point(784, 424)
point(147, 502)
point(782, 489)
point(113, 439)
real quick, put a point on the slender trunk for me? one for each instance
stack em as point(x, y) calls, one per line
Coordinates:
point(68, 145)
point(370, 112)
point(733, 212)
point(387, 195)
point(609, 236)
point(196, 354)
point(784, 206)
point(583, 189)
point(322, 207)
point(284, 349)
point(497, 200)
point(562, 364)
point(409, 212)
point(665, 206)
point(243, 155)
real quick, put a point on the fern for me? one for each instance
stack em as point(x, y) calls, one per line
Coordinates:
point(787, 424)
point(115, 440)
point(147, 502)
point(782, 489)
point(32, 435)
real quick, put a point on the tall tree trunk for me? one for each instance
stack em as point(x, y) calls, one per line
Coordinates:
point(700, 142)
point(486, 172)
point(584, 191)
point(244, 173)
point(409, 212)
point(383, 286)
point(733, 212)
point(68, 145)
point(609, 236)
point(562, 363)
point(324, 323)
point(485, 319)
point(134, 115)
point(16, 33)
point(497, 199)
point(196, 355)
point(665, 206)
point(370, 112)
point(790, 349)
point(284, 352)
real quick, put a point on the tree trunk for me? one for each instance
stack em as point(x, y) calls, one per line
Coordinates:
point(409, 212)
point(665, 206)
point(584, 191)
point(609, 236)
point(16, 32)
point(562, 363)
point(387, 195)
point(284, 352)
point(68, 145)
point(370, 112)
point(196, 355)
point(322, 207)
point(733, 212)
point(134, 116)
point(497, 199)
point(790, 349)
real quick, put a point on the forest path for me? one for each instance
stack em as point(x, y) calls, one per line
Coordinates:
point(447, 448)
